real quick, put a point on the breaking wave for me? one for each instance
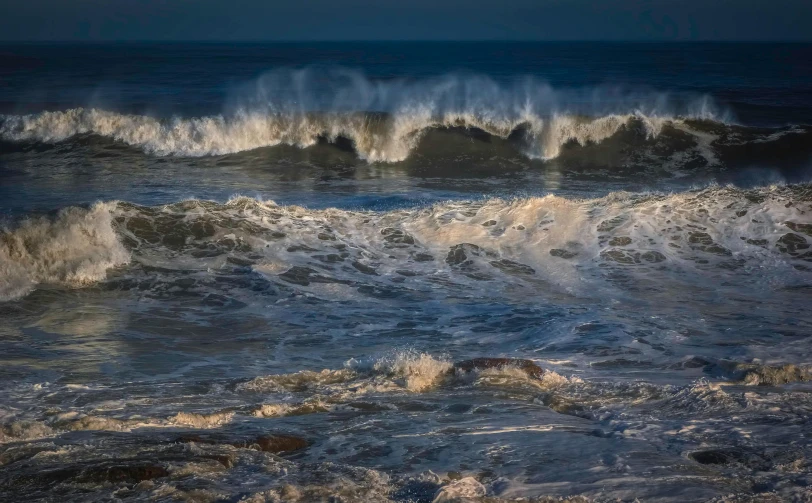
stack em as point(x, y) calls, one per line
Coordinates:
point(567, 243)
point(76, 248)
point(384, 120)
point(719, 230)
point(375, 138)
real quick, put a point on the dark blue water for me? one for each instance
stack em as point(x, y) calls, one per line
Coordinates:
point(762, 83)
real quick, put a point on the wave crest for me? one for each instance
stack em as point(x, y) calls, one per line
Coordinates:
point(384, 120)
point(74, 249)
point(376, 138)
point(573, 244)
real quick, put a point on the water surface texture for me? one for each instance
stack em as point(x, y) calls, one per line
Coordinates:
point(406, 272)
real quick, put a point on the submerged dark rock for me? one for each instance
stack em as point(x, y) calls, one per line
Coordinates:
point(280, 443)
point(731, 455)
point(713, 457)
point(97, 472)
point(529, 368)
point(754, 374)
point(123, 472)
point(267, 443)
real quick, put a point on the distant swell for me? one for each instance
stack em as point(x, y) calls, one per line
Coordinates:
point(383, 120)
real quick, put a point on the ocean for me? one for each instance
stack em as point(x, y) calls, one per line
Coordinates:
point(410, 272)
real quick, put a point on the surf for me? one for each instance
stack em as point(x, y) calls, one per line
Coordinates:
point(551, 242)
point(383, 120)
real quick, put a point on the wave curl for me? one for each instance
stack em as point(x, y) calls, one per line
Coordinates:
point(384, 120)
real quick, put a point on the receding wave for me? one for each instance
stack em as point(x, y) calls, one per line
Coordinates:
point(384, 120)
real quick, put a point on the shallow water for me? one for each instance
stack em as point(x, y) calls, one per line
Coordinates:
point(259, 290)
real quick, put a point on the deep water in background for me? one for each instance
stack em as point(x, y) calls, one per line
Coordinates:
point(766, 84)
point(246, 272)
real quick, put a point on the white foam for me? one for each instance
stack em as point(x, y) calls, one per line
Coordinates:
point(459, 491)
point(74, 249)
point(196, 420)
point(384, 120)
point(418, 371)
point(303, 380)
point(375, 139)
point(568, 243)
point(24, 430)
point(562, 129)
point(290, 409)
point(564, 242)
